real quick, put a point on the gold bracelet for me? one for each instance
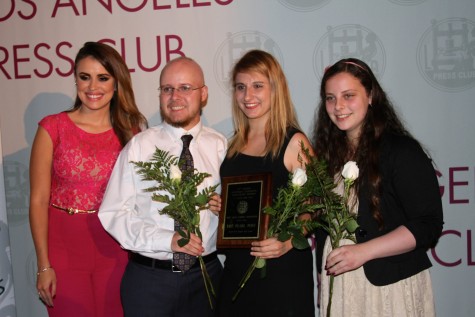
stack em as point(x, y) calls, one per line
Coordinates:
point(46, 268)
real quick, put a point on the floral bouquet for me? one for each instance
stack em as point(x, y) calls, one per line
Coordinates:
point(335, 216)
point(179, 191)
point(291, 202)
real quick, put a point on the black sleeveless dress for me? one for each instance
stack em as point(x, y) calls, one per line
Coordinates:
point(288, 288)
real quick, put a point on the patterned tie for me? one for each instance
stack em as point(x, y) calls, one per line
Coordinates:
point(181, 260)
point(185, 155)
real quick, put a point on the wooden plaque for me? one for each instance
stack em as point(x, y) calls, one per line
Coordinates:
point(242, 219)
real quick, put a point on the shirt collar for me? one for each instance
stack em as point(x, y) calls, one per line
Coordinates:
point(177, 133)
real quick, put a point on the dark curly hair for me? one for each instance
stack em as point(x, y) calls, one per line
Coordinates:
point(332, 144)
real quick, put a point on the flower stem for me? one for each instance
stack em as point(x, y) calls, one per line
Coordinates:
point(246, 277)
point(207, 280)
point(329, 307)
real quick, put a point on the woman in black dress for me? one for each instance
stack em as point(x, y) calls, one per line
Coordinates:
point(266, 139)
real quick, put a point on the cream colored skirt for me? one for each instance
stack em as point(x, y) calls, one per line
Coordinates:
point(355, 296)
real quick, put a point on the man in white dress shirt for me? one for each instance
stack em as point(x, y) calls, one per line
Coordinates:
point(150, 285)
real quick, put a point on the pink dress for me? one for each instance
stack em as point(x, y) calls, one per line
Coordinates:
point(88, 262)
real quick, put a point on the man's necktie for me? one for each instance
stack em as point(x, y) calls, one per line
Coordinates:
point(181, 260)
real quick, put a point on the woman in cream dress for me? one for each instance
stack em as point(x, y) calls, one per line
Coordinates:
point(396, 197)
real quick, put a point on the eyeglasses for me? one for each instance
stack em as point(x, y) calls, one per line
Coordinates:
point(183, 90)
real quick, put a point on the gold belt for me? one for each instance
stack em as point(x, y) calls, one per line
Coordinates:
point(72, 211)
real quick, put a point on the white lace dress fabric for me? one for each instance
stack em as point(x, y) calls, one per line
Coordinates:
point(355, 296)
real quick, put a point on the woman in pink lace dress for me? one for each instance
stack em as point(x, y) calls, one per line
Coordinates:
point(79, 265)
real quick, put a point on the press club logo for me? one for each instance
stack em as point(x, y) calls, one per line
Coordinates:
point(17, 191)
point(349, 40)
point(234, 46)
point(445, 54)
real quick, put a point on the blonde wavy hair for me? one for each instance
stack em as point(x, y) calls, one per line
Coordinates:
point(282, 114)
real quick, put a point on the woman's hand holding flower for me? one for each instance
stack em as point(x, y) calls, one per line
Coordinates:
point(214, 204)
point(345, 258)
point(270, 248)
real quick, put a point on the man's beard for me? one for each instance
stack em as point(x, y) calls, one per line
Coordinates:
point(177, 124)
point(180, 123)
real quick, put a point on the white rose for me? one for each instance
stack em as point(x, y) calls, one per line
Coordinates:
point(175, 172)
point(299, 178)
point(350, 171)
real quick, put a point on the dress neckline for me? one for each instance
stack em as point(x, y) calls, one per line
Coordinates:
point(251, 156)
point(66, 114)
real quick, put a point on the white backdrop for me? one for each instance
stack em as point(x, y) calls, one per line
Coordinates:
point(7, 299)
point(421, 50)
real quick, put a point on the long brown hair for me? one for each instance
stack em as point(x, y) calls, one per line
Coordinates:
point(282, 114)
point(125, 116)
point(332, 144)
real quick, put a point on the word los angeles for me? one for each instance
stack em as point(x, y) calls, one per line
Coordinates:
point(28, 9)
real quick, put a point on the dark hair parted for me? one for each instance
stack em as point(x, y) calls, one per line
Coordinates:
point(282, 113)
point(332, 144)
point(125, 116)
